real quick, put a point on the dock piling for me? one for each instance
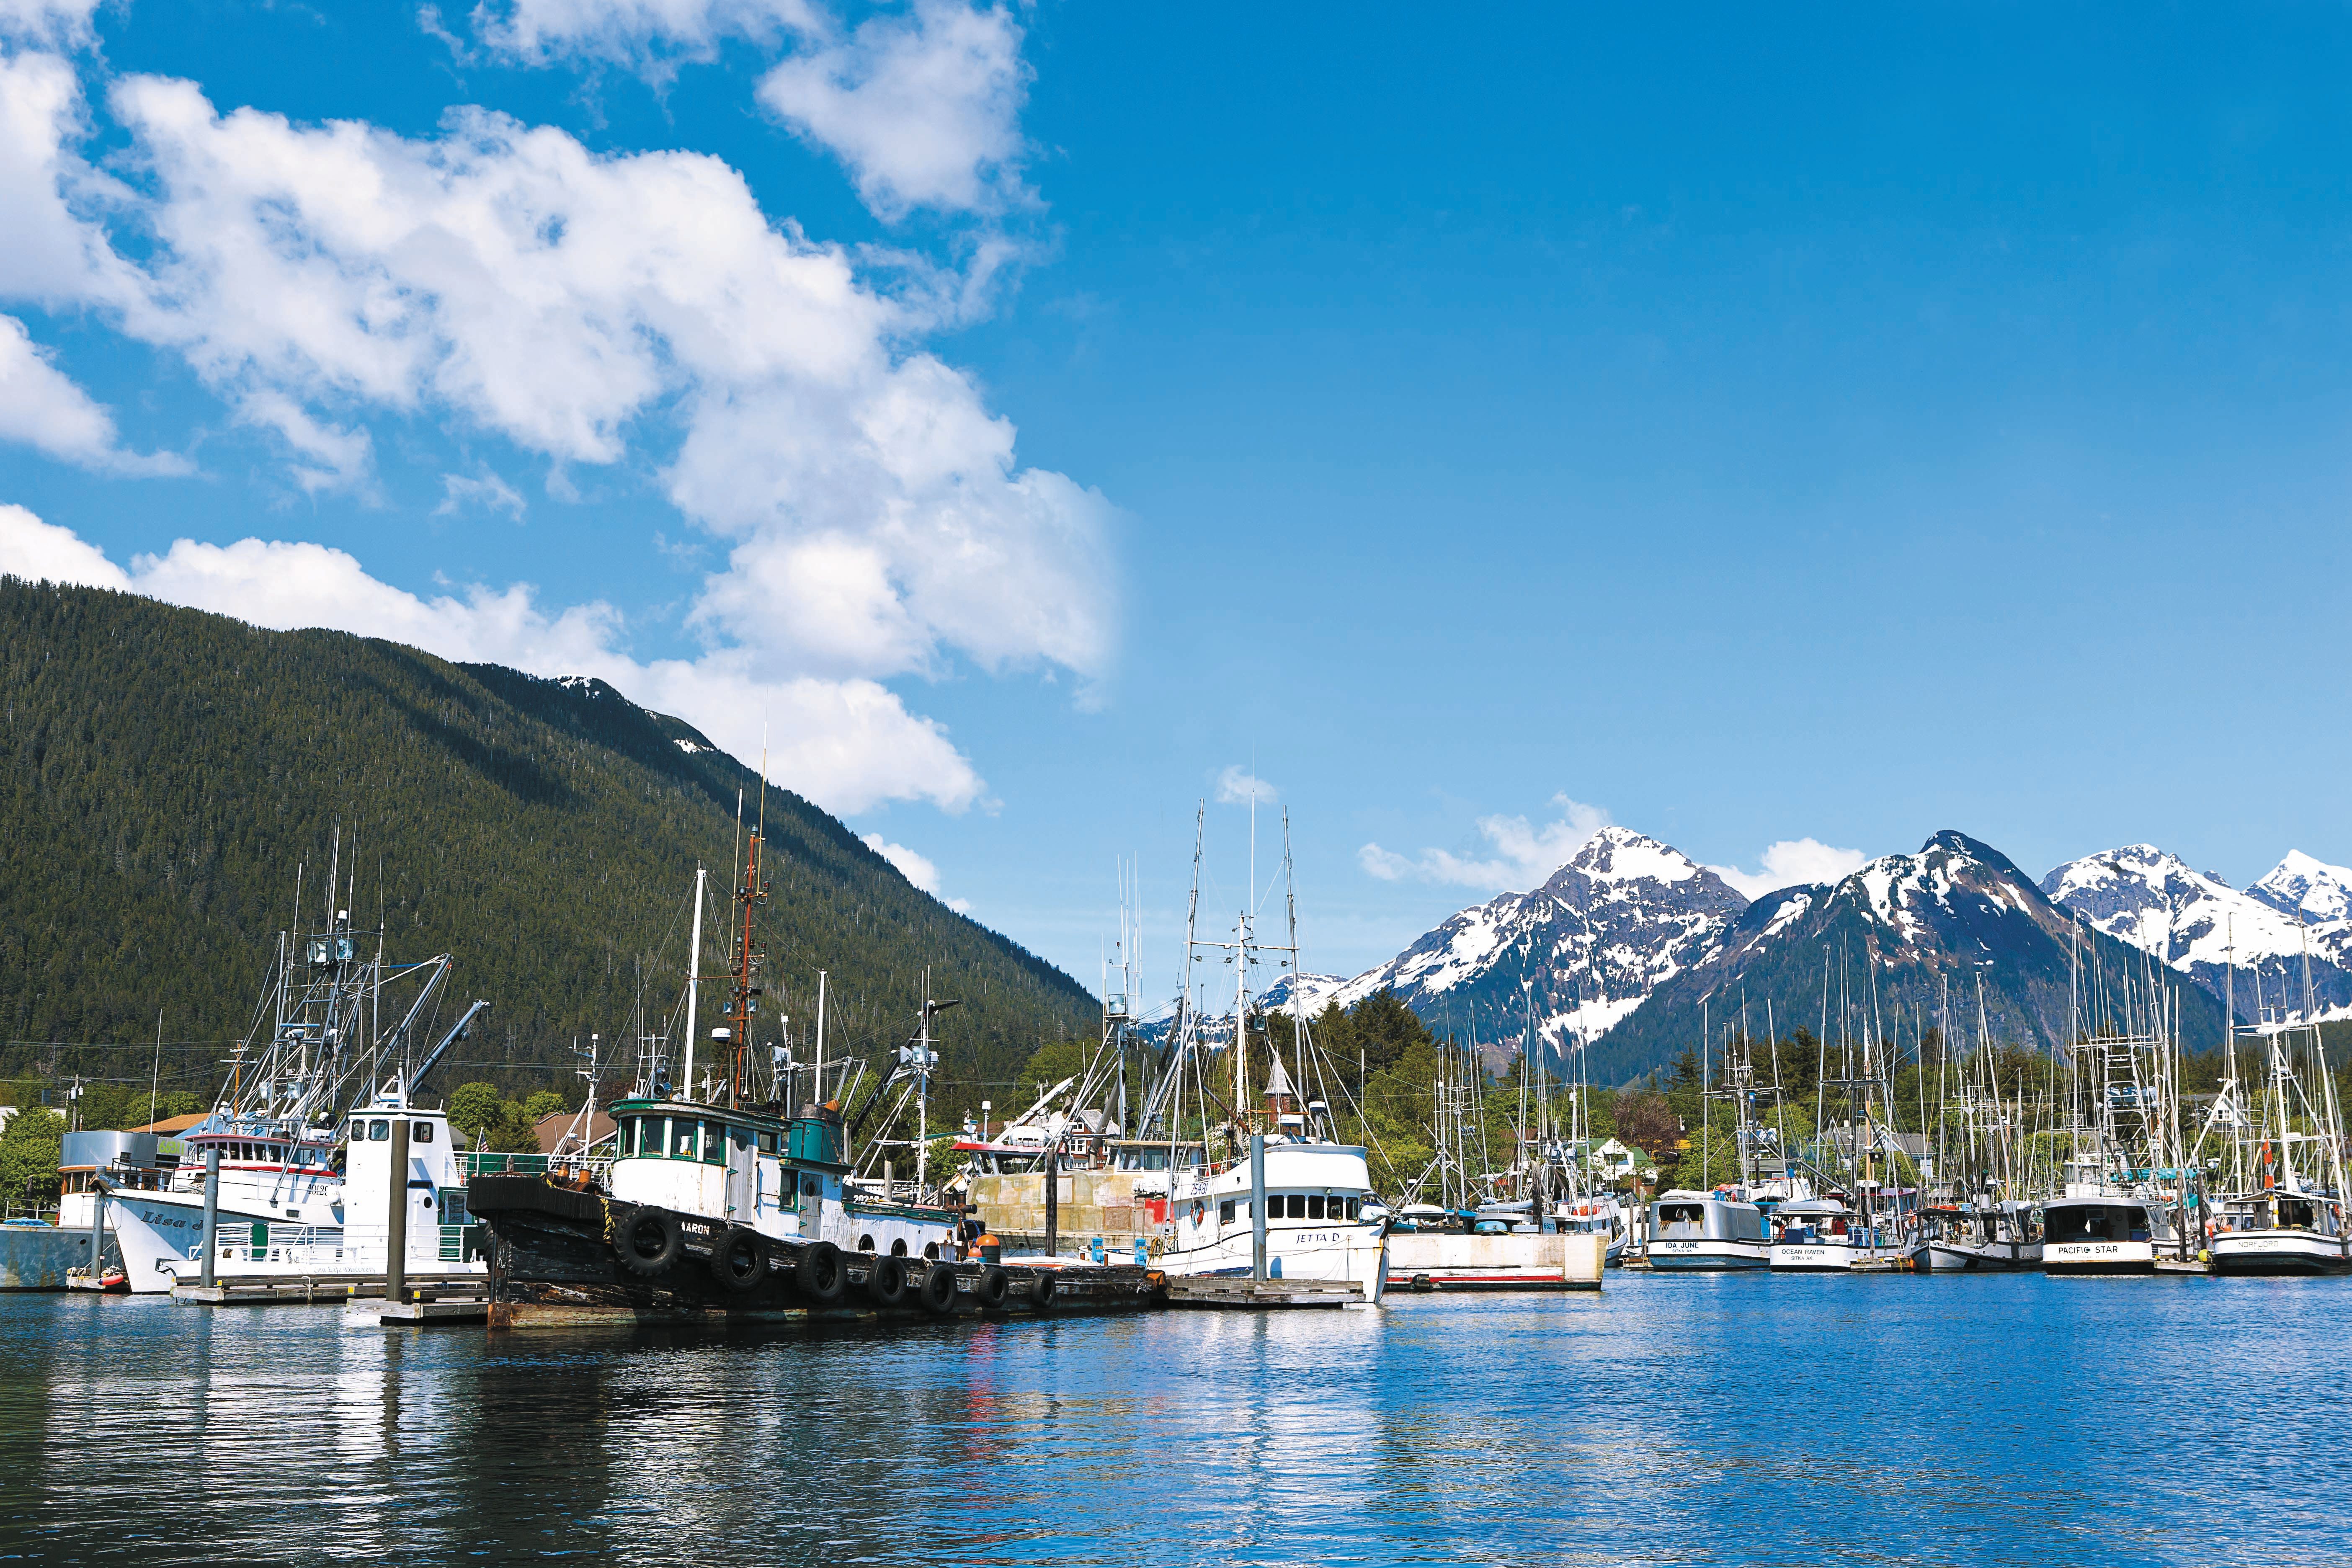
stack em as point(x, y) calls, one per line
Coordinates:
point(208, 1237)
point(1257, 1205)
point(395, 1238)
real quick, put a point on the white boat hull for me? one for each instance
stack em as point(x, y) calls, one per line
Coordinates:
point(2098, 1257)
point(2253, 1252)
point(1357, 1254)
point(1440, 1261)
point(1707, 1255)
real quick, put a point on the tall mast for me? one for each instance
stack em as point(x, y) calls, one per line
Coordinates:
point(693, 983)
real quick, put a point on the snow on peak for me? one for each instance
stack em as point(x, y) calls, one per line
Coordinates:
point(2302, 882)
point(1621, 855)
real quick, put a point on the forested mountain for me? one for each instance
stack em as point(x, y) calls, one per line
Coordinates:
point(168, 770)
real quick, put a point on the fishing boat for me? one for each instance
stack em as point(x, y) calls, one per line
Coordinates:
point(272, 1159)
point(2098, 1229)
point(2289, 1152)
point(731, 1200)
point(1284, 1197)
point(2281, 1231)
point(1705, 1233)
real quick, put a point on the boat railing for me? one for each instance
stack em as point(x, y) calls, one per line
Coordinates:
point(258, 1241)
point(562, 1167)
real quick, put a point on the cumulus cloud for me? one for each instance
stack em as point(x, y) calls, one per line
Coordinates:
point(922, 105)
point(41, 406)
point(63, 24)
point(1518, 854)
point(583, 307)
point(1792, 862)
point(846, 744)
point(917, 868)
point(1237, 785)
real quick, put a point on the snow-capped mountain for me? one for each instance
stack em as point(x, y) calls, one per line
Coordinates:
point(2322, 892)
point(2199, 924)
point(1625, 915)
point(1888, 949)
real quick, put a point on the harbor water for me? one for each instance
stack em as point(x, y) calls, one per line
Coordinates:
point(1732, 1419)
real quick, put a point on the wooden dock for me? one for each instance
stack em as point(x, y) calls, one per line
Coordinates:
point(1261, 1295)
point(311, 1291)
point(464, 1303)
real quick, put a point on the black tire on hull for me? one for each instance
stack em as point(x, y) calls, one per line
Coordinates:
point(938, 1292)
point(992, 1285)
point(648, 1241)
point(1042, 1294)
point(817, 1274)
point(740, 1261)
point(887, 1283)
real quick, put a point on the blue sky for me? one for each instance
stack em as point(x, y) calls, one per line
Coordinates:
point(1749, 427)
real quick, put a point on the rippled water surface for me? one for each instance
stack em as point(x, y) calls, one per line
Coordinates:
point(1688, 1420)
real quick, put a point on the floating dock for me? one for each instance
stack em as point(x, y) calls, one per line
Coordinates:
point(311, 1291)
point(1262, 1295)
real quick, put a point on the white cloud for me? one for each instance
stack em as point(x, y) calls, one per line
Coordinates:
point(592, 309)
point(57, 23)
point(1792, 862)
point(645, 34)
point(1521, 855)
point(43, 553)
point(845, 744)
point(486, 490)
point(924, 106)
point(921, 105)
point(1238, 786)
point(916, 869)
point(41, 406)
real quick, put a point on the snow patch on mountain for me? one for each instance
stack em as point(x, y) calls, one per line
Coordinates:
point(2301, 883)
point(1580, 954)
point(2199, 924)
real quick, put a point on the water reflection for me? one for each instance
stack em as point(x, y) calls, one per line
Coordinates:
point(1737, 1420)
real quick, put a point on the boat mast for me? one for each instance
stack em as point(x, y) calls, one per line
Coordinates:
point(693, 984)
point(744, 993)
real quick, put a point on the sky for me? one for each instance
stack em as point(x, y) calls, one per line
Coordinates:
point(1785, 434)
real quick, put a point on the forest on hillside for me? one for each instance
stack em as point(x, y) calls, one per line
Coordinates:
point(178, 784)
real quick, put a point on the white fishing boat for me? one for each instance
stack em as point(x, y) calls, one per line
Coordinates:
point(1315, 1195)
point(1704, 1233)
point(277, 1132)
point(1286, 1199)
point(2100, 1231)
point(2280, 1232)
point(1817, 1235)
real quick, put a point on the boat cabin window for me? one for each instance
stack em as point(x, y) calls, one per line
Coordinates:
point(714, 1143)
point(379, 1131)
point(1314, 1206)
point(1224, 1214)
point(1354, 1207)
point(423, 1131)
point(2122, 1222)
point(681, 1138)
point(767, 1142)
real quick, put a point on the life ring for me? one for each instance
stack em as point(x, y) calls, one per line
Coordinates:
point(887, 1282)
point(992, 1285)
point(741, 1260)
point(647, 1242)
point(1199, 1212)
point(938, 1292)
point(816, 1273)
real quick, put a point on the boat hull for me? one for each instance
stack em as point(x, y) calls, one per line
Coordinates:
point(1439, 1261)
point(1352, 1254)
point(2098, 1257)
point(553, 1261)
point(2277, 1252)
point(1708, 1255)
